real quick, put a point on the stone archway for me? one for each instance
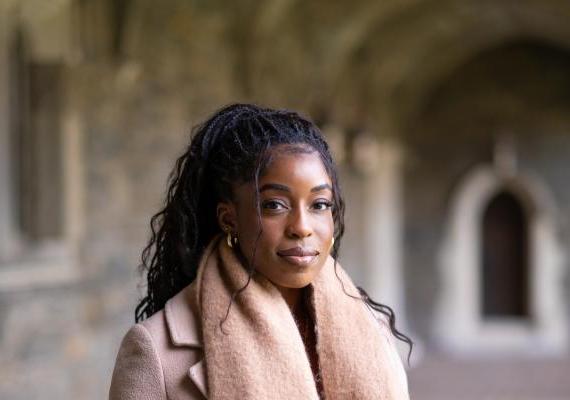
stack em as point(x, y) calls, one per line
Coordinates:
point(505, 258)
point(460, 325)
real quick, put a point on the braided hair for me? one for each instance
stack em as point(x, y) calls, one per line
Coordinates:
point(228, 149)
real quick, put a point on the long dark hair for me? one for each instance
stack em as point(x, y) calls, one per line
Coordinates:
point(228, 149)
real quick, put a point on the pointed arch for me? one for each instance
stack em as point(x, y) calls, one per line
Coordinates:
point(460, 325)
point(504, 258)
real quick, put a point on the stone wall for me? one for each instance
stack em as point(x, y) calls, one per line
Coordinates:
point(519, 90)
point(139, 76)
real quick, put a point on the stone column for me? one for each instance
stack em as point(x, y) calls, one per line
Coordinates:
point(380, 162)
point(6, 199)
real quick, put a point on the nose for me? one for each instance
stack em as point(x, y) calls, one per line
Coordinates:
point(299, 225)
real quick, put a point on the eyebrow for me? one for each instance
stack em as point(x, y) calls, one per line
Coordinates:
point(274, 186)
point(321, 187)
point(283, 188)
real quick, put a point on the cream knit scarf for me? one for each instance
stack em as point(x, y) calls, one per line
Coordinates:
point(260, 353)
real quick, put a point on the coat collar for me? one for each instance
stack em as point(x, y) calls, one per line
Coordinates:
point(183, 323)
point(182, 318)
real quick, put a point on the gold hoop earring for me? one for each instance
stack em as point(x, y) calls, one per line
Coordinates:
point(332, 244)
point(231, 240)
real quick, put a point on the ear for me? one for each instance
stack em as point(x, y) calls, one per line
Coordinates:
point(227, 216)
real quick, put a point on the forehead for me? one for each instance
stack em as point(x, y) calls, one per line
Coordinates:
point(294, 166)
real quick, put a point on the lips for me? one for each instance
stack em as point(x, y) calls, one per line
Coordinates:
point(299, 256)
point(298, 252)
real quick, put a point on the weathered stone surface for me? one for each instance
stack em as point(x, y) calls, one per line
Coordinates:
point(442, 78)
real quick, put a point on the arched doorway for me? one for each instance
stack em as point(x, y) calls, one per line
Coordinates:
point(504, 258)
point(501, 266)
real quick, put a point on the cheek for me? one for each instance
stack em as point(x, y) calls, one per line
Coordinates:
point(248, 232)
point(273, 232)
point(326, 228)
point(247, 237)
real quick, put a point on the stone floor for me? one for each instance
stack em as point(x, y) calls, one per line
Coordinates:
point(439, 377)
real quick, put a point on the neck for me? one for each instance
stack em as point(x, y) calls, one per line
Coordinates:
point(292, 296)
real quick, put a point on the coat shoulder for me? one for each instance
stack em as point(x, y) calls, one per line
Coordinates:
point(138, 372)
point(161, 357)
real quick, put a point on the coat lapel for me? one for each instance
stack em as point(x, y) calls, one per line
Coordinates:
point(182, 319)
point(197, 373)
point(184, 326)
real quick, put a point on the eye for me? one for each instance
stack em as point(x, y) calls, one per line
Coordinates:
point(273, 205)
point(322, 205)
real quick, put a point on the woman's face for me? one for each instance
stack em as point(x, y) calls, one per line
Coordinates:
point(296, 216)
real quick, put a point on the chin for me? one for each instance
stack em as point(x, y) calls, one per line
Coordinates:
point(297, 283)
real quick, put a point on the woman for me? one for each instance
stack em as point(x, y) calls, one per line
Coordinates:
point(245, 298)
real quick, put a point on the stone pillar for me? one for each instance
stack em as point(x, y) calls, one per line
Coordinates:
point(6, 200)
point(380, 162)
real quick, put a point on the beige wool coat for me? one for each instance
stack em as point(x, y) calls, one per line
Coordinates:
point(162, 357)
